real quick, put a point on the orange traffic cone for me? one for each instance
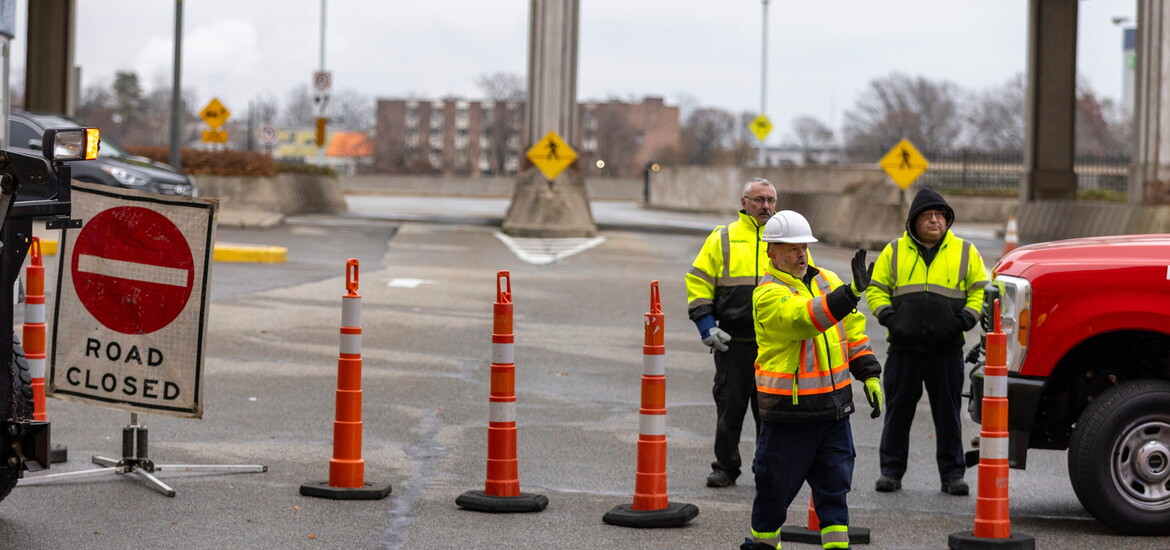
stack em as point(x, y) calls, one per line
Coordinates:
point(33, 338)
point(993, 528)
point(346, 468)
point(502, 487)
point(1011, 237)
point(811, 534)
point(651, 507)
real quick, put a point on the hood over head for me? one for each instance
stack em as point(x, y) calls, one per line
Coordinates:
point(928, 199)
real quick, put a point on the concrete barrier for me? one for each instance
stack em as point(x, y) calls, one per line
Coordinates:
point(486, 187)
point(265, 201)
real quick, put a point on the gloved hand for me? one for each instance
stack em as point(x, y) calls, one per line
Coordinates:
point(712, 335)
point(873, 393)
point(968, 320)
point(717, 339)
point(861, 274)
point(886, 316)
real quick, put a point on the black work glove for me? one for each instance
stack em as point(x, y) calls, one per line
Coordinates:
point(968, 320)
point(861, 274)
point(886, 316)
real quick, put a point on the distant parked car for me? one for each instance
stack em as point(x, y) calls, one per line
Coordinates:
point(114, 166)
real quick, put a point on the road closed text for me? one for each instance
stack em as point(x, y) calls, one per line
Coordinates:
point(138, 372)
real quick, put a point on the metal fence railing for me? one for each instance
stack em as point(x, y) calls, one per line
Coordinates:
point(999, 171)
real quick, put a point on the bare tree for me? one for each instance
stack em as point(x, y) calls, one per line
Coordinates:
point(300, 109)
point(744, 145)
point(811, 134)
point(617, 138)
point(1101, 127)
point(706, 132)
point(351, 110)
point(501, 86)
point(996, 121)
point(898, 106)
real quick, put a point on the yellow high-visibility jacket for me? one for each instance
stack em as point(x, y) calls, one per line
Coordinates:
point(921, 304)
point(726, 270)
point(811, 338)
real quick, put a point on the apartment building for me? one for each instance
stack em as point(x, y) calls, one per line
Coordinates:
point(484, 138)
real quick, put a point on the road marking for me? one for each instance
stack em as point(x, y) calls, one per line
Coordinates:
point(408, 283)
point(132, 271)
point(546, 251)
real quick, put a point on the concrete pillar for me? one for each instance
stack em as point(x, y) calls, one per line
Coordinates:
point(560, 208)
point(1149, 180)
point(50, 83)
point(1051, 96)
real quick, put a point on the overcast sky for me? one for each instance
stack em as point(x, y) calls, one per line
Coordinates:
point(821, 53)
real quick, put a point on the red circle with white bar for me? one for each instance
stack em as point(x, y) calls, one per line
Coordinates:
point(132, 269)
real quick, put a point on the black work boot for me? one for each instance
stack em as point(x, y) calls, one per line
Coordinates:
point(720, 478)
point(956, 487)
point(887, 484)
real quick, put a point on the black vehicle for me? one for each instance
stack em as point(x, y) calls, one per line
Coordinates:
point(114, 165)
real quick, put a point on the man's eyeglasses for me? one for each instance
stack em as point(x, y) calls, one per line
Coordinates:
point(762, 200)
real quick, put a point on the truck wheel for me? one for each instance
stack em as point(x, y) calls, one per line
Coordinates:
point(22, 405)
point(1119, 458)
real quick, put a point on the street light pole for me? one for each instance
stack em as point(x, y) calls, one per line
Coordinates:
point(176, 96)
point(763, 77)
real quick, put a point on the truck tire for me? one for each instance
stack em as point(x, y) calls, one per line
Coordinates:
point(22, 405)
point(1119, 458)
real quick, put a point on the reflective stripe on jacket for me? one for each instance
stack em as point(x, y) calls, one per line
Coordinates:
point(724, 273)
point(926, 300)
point(806, 354)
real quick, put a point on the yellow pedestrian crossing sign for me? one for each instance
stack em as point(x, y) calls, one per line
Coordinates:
point(904, 163)
point(761, 127)
point(215, 114)
point(551, 155)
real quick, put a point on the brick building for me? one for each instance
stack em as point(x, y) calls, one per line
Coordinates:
point(484, 138)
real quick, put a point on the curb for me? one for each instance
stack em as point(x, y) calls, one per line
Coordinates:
point(223, 252)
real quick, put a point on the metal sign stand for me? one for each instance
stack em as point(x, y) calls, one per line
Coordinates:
point(135, 460)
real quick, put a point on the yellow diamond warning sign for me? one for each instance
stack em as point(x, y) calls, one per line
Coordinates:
point(761, 127)
point(551, 155)
point(904, 163)
point(215, 114)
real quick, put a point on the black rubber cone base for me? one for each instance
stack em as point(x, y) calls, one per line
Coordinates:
point(857, 535)
point(58, 454)
point(368, 491)
point(676, 514)
point(483, 502)
point(968, 541)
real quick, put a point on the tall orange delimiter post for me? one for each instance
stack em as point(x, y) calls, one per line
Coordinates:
point(346, 468)
point(33, 338)
point(501, 492)
point(651, 508)
point(993, 527)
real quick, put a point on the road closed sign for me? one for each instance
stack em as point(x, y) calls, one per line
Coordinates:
point(131, 305)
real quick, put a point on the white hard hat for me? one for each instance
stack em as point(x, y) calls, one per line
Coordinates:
point(787, 226)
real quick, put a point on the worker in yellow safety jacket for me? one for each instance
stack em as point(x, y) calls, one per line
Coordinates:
point(811, 338)
point(928, 291)
point(719, 301)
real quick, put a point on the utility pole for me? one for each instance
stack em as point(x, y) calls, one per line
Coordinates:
point(322, 96)
point(176, 105)
point(763, 77)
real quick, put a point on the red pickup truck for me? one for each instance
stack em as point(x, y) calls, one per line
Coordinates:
point(1088, 331)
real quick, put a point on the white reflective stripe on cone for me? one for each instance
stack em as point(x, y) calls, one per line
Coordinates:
point(34, 313)
point(993, 447)
point(36, 368)
point(995, 386)
point(654, 365)
point(351, 312)
point(351, 343)
point(503, 354)
point(502, 411)
point(652, 424)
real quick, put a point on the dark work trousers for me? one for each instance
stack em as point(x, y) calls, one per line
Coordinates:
point(903, 378)
point(790, 453)
point(734, 391)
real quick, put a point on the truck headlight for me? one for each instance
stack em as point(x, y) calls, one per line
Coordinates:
point(1015, 307)
point(61, 144)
